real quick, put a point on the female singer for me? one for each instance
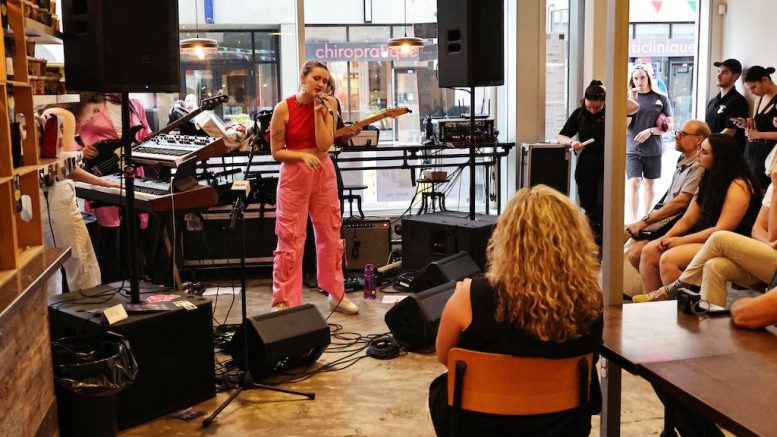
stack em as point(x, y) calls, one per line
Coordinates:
point(302, 129)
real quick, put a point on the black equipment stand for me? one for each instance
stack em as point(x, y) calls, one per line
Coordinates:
point(472, 153)
point(129, 184)
point(246, 382)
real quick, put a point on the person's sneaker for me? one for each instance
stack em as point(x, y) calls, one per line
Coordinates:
point(278, 307)
point(343, 305)
point(654, 296)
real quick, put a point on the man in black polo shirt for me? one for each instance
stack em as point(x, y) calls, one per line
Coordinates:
point(728, 104)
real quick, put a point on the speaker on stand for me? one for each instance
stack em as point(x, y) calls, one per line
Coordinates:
point(471, 36)
point(121, 46)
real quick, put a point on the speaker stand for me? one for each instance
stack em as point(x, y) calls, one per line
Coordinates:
point(472, 153)
point(246, 382)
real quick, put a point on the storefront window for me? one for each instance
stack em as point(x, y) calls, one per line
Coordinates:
point(245, 68)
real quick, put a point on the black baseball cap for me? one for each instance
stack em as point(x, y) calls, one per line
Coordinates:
point(731, 64)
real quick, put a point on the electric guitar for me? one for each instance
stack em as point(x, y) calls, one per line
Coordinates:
point(109, 159)
point(390, 112)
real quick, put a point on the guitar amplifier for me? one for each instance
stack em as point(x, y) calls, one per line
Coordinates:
point(367, 241)
point(545, 163)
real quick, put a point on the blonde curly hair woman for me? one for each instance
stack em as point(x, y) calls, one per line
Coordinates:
point(539, 297)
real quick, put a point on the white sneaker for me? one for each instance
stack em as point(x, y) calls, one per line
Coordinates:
point(280, 306)
point(344, 306)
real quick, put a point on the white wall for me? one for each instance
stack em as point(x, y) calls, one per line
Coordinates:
point(747, 32)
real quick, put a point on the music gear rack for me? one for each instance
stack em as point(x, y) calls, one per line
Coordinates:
point(170, 150)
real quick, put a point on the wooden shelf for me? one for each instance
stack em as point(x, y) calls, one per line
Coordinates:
point(26, 169)
point(40, 33)
point(47, 99)
point(26, 254)
point(18, 84)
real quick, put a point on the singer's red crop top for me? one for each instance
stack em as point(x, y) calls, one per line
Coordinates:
point(301, 127)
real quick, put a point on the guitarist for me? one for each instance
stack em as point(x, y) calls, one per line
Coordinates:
point(106, 125)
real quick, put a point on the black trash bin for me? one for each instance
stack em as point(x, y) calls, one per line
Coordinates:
point(88, 372)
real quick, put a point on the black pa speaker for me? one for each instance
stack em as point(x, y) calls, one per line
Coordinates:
point(451, 268)
point(471, 36)
point(414, 320)
point(367, 241)
point(284, 338)
point(119, 45)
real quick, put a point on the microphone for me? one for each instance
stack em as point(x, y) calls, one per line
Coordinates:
point(324, 102)
point(239, 189)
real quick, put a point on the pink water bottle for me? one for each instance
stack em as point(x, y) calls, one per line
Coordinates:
point(369, 281)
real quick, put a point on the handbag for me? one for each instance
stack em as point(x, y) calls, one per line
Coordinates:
point(660, 228)
point(662, 122)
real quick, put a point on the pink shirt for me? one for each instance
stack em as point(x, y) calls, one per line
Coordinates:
point(101, 128)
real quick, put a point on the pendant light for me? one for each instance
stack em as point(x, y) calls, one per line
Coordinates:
point(406, 43)
point(199, 47)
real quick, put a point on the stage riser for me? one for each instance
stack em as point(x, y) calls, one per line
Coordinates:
point(174, 352)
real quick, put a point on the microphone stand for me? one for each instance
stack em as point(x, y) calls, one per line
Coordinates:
point(129, 185)
point(245, 381)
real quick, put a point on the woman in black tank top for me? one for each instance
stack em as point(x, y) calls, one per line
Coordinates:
point(539, 297)
point(761, 133)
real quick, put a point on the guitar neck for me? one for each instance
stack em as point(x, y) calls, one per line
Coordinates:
point(361, 123)
point(174, 125)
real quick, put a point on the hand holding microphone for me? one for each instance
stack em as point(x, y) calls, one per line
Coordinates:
point(322, 99)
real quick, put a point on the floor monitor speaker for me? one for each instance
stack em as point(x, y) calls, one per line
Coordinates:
point(285, 338)
point(451, 268)
point(471, 37)
point(119, 45)
point(414, 320)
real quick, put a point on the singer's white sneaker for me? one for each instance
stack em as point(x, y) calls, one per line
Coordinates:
point(344, 306)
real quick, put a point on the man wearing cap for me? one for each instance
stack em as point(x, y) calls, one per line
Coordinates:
point(728, 104)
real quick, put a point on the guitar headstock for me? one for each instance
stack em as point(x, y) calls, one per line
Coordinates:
point(396, 112)
point(212, 102)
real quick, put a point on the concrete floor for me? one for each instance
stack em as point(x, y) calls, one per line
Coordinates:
point(370, 398)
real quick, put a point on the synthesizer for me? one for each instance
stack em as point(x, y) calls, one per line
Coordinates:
point(170, 150)
point(151, 195)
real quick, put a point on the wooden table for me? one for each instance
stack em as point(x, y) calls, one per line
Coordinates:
point(727, 374)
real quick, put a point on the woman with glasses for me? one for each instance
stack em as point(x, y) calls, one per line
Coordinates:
point(587, 123)
point(728, 200)
point(643, 140)
point(761, 131)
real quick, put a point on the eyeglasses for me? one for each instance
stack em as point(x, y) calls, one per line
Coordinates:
point(682, 133)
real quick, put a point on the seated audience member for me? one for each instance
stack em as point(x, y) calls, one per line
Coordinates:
point(685, 183)
point(539, 297)
point(728, 256)
point(728, 199)
point(755, 312)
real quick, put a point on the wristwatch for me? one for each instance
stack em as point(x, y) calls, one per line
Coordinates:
point(646, 218)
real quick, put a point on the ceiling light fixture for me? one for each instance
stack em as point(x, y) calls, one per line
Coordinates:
point(199, 47)
point(406, 43)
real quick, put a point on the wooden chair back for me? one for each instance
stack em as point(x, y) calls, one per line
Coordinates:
point(509, 385)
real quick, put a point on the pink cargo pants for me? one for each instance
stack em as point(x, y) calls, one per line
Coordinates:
point(302, 189)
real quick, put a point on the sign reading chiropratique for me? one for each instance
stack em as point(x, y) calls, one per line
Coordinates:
point(358, 51)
